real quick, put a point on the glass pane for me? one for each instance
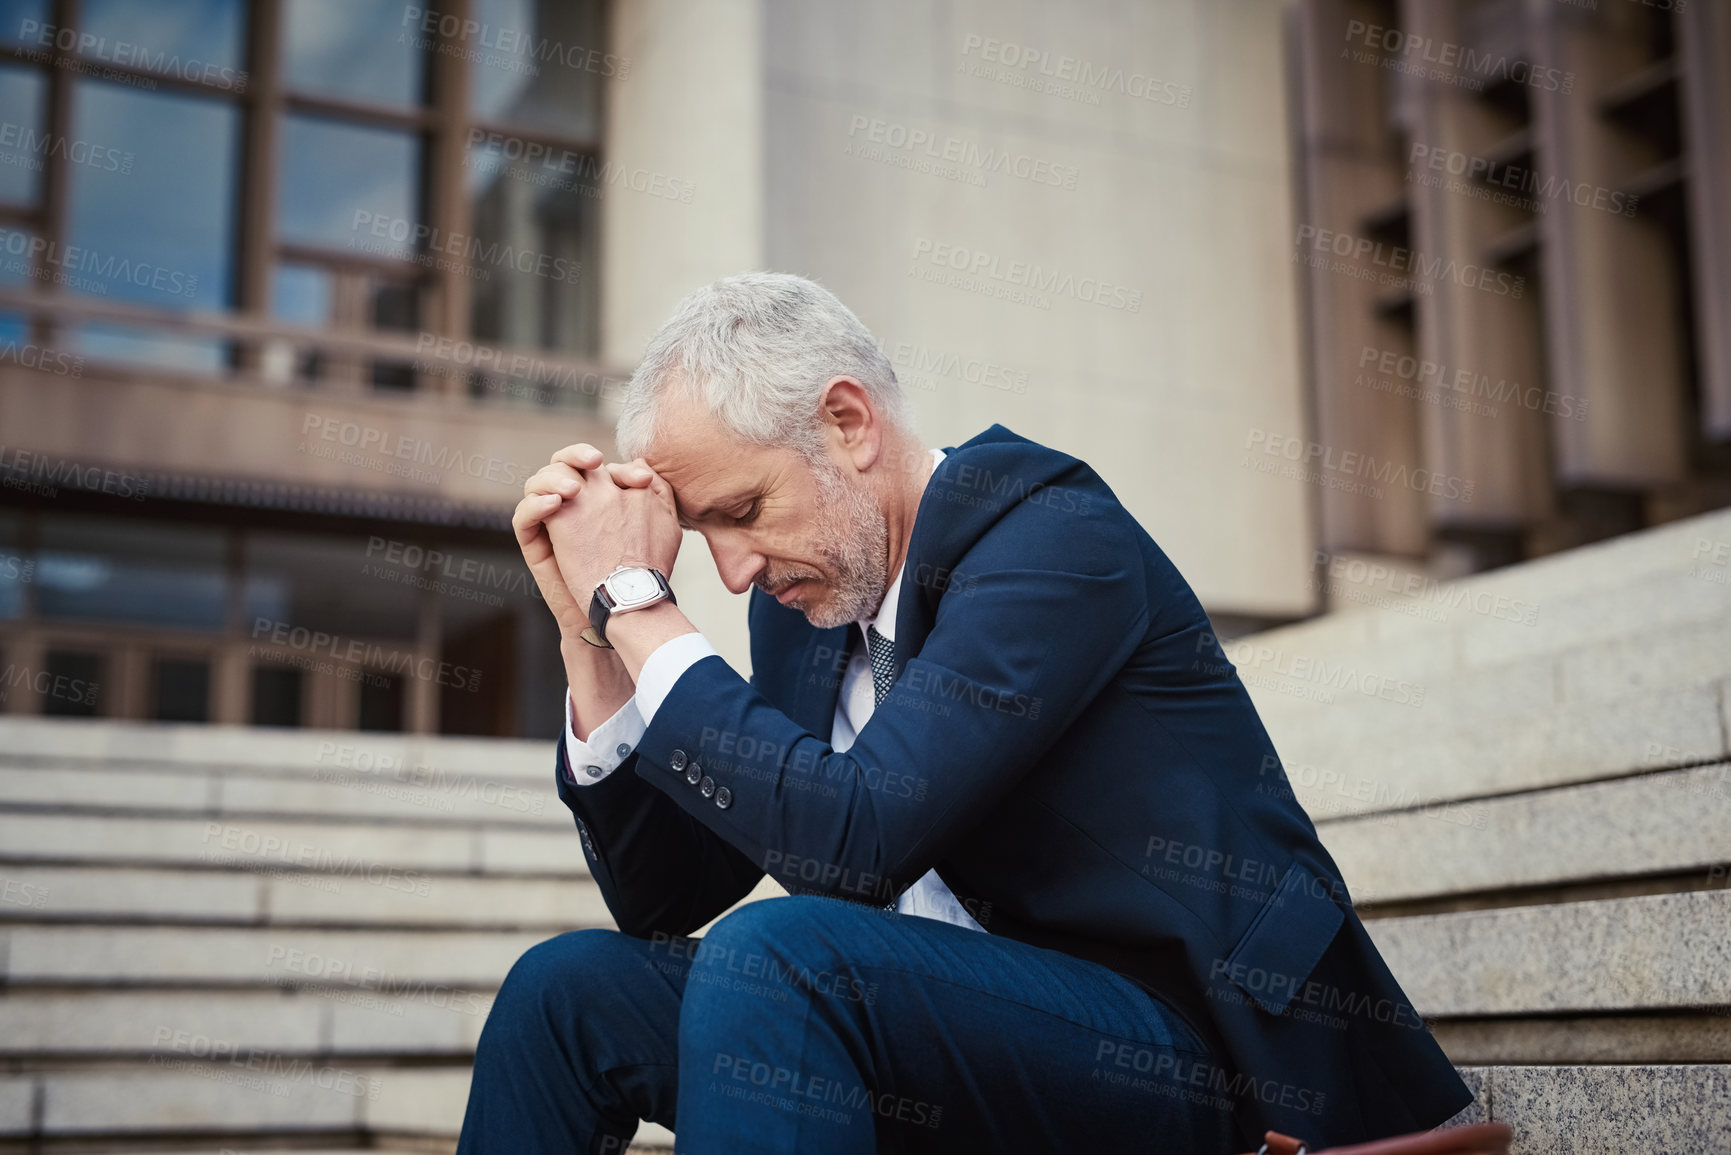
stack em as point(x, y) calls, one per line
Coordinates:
point(162, 234)
point(534, 266)
point(301, 295)
point(73, 685)
point(182, 690)
point(203, 355)
point(540, 64)
point(15, 259)
point(145, 573)
point(349, 187)
point(276, 696)
point(23, 144)
point(396, 308)
point(191, 39)
point(366, 50)
point(16, 570)
point(381, 706)
point(26, 21)
point(340, 586)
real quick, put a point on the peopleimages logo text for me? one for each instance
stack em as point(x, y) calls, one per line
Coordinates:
point(1448, 57)
point(125, 54)
point(1023, 274)
point(1400, 259)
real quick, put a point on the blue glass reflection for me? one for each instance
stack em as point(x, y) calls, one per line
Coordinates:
point(105, 342)
point(162, 234)
point(107, 569)
point(180, 37)
point(540, 64)
point(365, 50)
point(301, 295)
point(22, 146)
point(15, 569)
point(349, 187)
point(14, 271)
point(24, 20)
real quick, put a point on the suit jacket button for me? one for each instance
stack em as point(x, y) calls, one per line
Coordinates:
point(706, 787)
point(723, 797)
point(693, 772)
point(676, 760)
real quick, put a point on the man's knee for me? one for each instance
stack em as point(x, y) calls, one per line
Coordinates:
point(561, 969)
point(797, 927)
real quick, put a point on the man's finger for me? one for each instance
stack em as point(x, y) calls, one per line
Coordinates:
point(560, 478)
point(531, 512)
point(579, 456)
point(630, 474)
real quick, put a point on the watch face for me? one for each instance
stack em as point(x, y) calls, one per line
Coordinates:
point(633, 586)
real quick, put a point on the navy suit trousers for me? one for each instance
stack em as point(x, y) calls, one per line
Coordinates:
point(811, 1024)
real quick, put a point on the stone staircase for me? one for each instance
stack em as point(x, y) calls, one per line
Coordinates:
point(226, 939)
point(1525, 778)
point(217, 938)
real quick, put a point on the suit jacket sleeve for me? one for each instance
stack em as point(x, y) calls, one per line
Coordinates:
point(659, 870)
point(1053, 608)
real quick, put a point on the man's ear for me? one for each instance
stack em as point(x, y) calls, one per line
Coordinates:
point(846, 407)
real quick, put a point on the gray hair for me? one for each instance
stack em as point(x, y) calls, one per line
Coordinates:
point(757, 349)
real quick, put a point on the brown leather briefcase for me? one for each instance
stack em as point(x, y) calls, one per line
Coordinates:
point(1478, 1139)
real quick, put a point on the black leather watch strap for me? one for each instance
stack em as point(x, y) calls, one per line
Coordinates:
point(600, 611)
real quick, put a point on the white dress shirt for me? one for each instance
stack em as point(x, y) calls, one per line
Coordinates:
point(613, 740)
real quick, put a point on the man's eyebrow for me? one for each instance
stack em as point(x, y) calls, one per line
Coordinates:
point(708, 510)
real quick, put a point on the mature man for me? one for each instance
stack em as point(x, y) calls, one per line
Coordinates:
point(1078, 905)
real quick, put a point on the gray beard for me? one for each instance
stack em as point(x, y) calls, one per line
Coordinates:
point(853, 542)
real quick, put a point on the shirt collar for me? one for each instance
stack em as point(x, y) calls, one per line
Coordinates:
point(885, 621)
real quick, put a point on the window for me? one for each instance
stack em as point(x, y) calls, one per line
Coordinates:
point(276, 696)
point(180, 690)
point(381, 702)
point(102, 569)
point(72, 684)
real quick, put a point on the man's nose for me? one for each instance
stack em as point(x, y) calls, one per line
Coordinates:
point(735, 560)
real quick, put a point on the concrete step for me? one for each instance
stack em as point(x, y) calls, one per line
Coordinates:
point(1670, 822)
point(1690, 1036)
point(1340, 771)
point(310, 1020)
point(1369, 701)
point(1590, 1110)
point(133, 894)
point(1562, 587)
point(1651, 953)
point(367, 960)
point(178, 747)
point(320, 792)
point(185, 1092)
point(362, 847)
point(1302, 674)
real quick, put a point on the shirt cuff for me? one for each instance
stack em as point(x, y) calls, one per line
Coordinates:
point(662, 669)
point(609, 744)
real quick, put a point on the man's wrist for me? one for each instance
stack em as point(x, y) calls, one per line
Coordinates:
point(636, 634)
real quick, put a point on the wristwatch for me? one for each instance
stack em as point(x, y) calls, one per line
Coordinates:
point(630, 587)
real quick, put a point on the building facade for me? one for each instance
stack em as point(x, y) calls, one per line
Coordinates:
point(294, 294)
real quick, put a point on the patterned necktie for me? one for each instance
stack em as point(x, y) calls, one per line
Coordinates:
point(882, 652)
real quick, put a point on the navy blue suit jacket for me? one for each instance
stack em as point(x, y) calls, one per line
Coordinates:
point(1069, 747)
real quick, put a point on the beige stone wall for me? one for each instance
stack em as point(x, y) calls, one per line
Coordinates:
point(861, 144)
point(691, 112)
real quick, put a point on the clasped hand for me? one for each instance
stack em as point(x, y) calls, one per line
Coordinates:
point(582, 517)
